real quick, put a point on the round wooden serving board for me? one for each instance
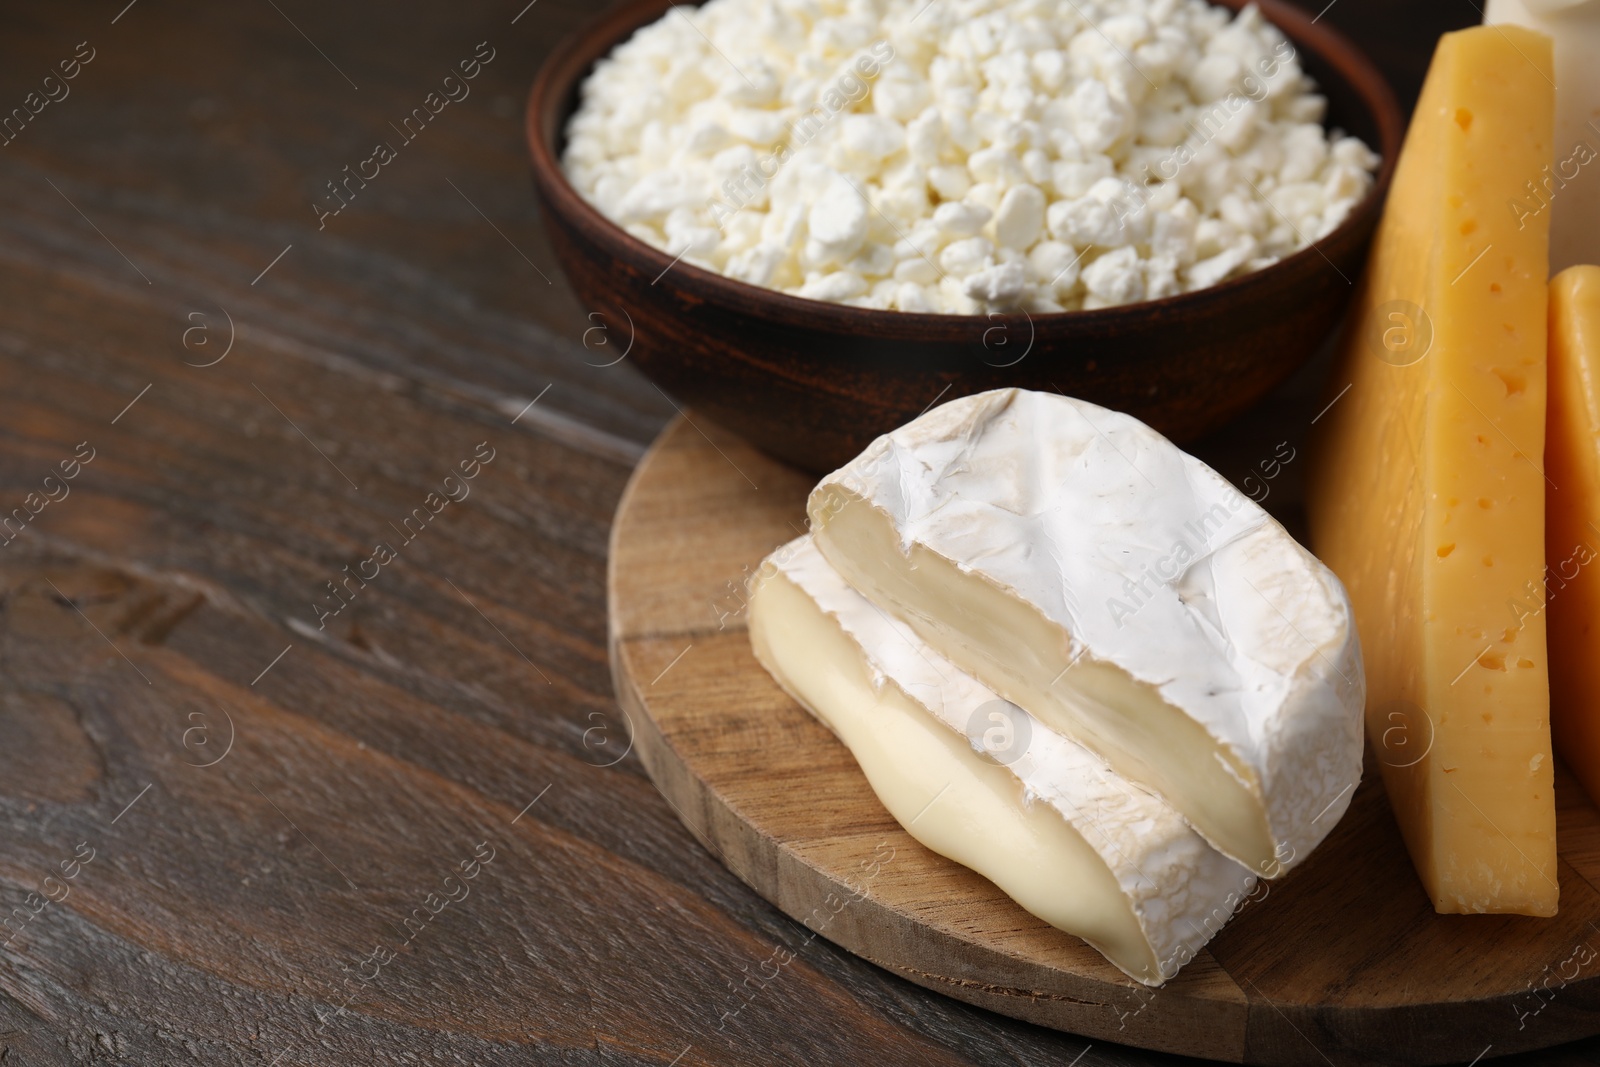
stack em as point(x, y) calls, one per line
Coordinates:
point(1342, 962)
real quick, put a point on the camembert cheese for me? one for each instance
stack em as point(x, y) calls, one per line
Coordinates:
point(1427, 491)
point(1082, 566)
point(1072, 842)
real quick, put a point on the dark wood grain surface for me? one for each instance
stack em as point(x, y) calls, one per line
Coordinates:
point(240, 828)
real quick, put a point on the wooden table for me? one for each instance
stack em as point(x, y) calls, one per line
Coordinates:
point(271, 794)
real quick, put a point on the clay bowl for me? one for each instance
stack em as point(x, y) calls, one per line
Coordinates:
point(812, 383)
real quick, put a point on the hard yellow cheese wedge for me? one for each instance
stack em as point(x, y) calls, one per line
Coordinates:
point(1572, 518)
point(1428, 496)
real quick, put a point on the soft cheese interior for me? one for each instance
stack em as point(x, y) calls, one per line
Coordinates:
point(1082, 566)
point(1068, 839)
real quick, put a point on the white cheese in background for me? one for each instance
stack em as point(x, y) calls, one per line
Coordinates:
point(1072, 842)
point(1570, 190)
point(1083, 567)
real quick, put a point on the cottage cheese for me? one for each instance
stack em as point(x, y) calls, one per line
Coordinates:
point(964, 155)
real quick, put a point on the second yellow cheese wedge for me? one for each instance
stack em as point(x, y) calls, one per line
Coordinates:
point(1572, 516)
point(1427, 498)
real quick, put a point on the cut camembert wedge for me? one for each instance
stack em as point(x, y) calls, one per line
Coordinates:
point(1427, 489)
point(1083, 567)
point(1069, 840)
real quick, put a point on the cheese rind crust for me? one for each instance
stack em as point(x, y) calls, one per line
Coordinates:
point(1083, 566)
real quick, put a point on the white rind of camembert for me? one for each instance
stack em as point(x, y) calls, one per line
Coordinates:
point(1124, 593)
point(1067, 838)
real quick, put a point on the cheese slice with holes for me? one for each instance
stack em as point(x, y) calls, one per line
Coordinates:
point(1082, 566)
point(980, 782)
point(1572, 521)
point(1426, 493)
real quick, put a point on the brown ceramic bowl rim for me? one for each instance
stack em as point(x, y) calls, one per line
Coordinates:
point(596, 39)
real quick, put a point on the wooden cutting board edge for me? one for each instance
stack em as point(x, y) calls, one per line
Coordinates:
point(689, 508)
